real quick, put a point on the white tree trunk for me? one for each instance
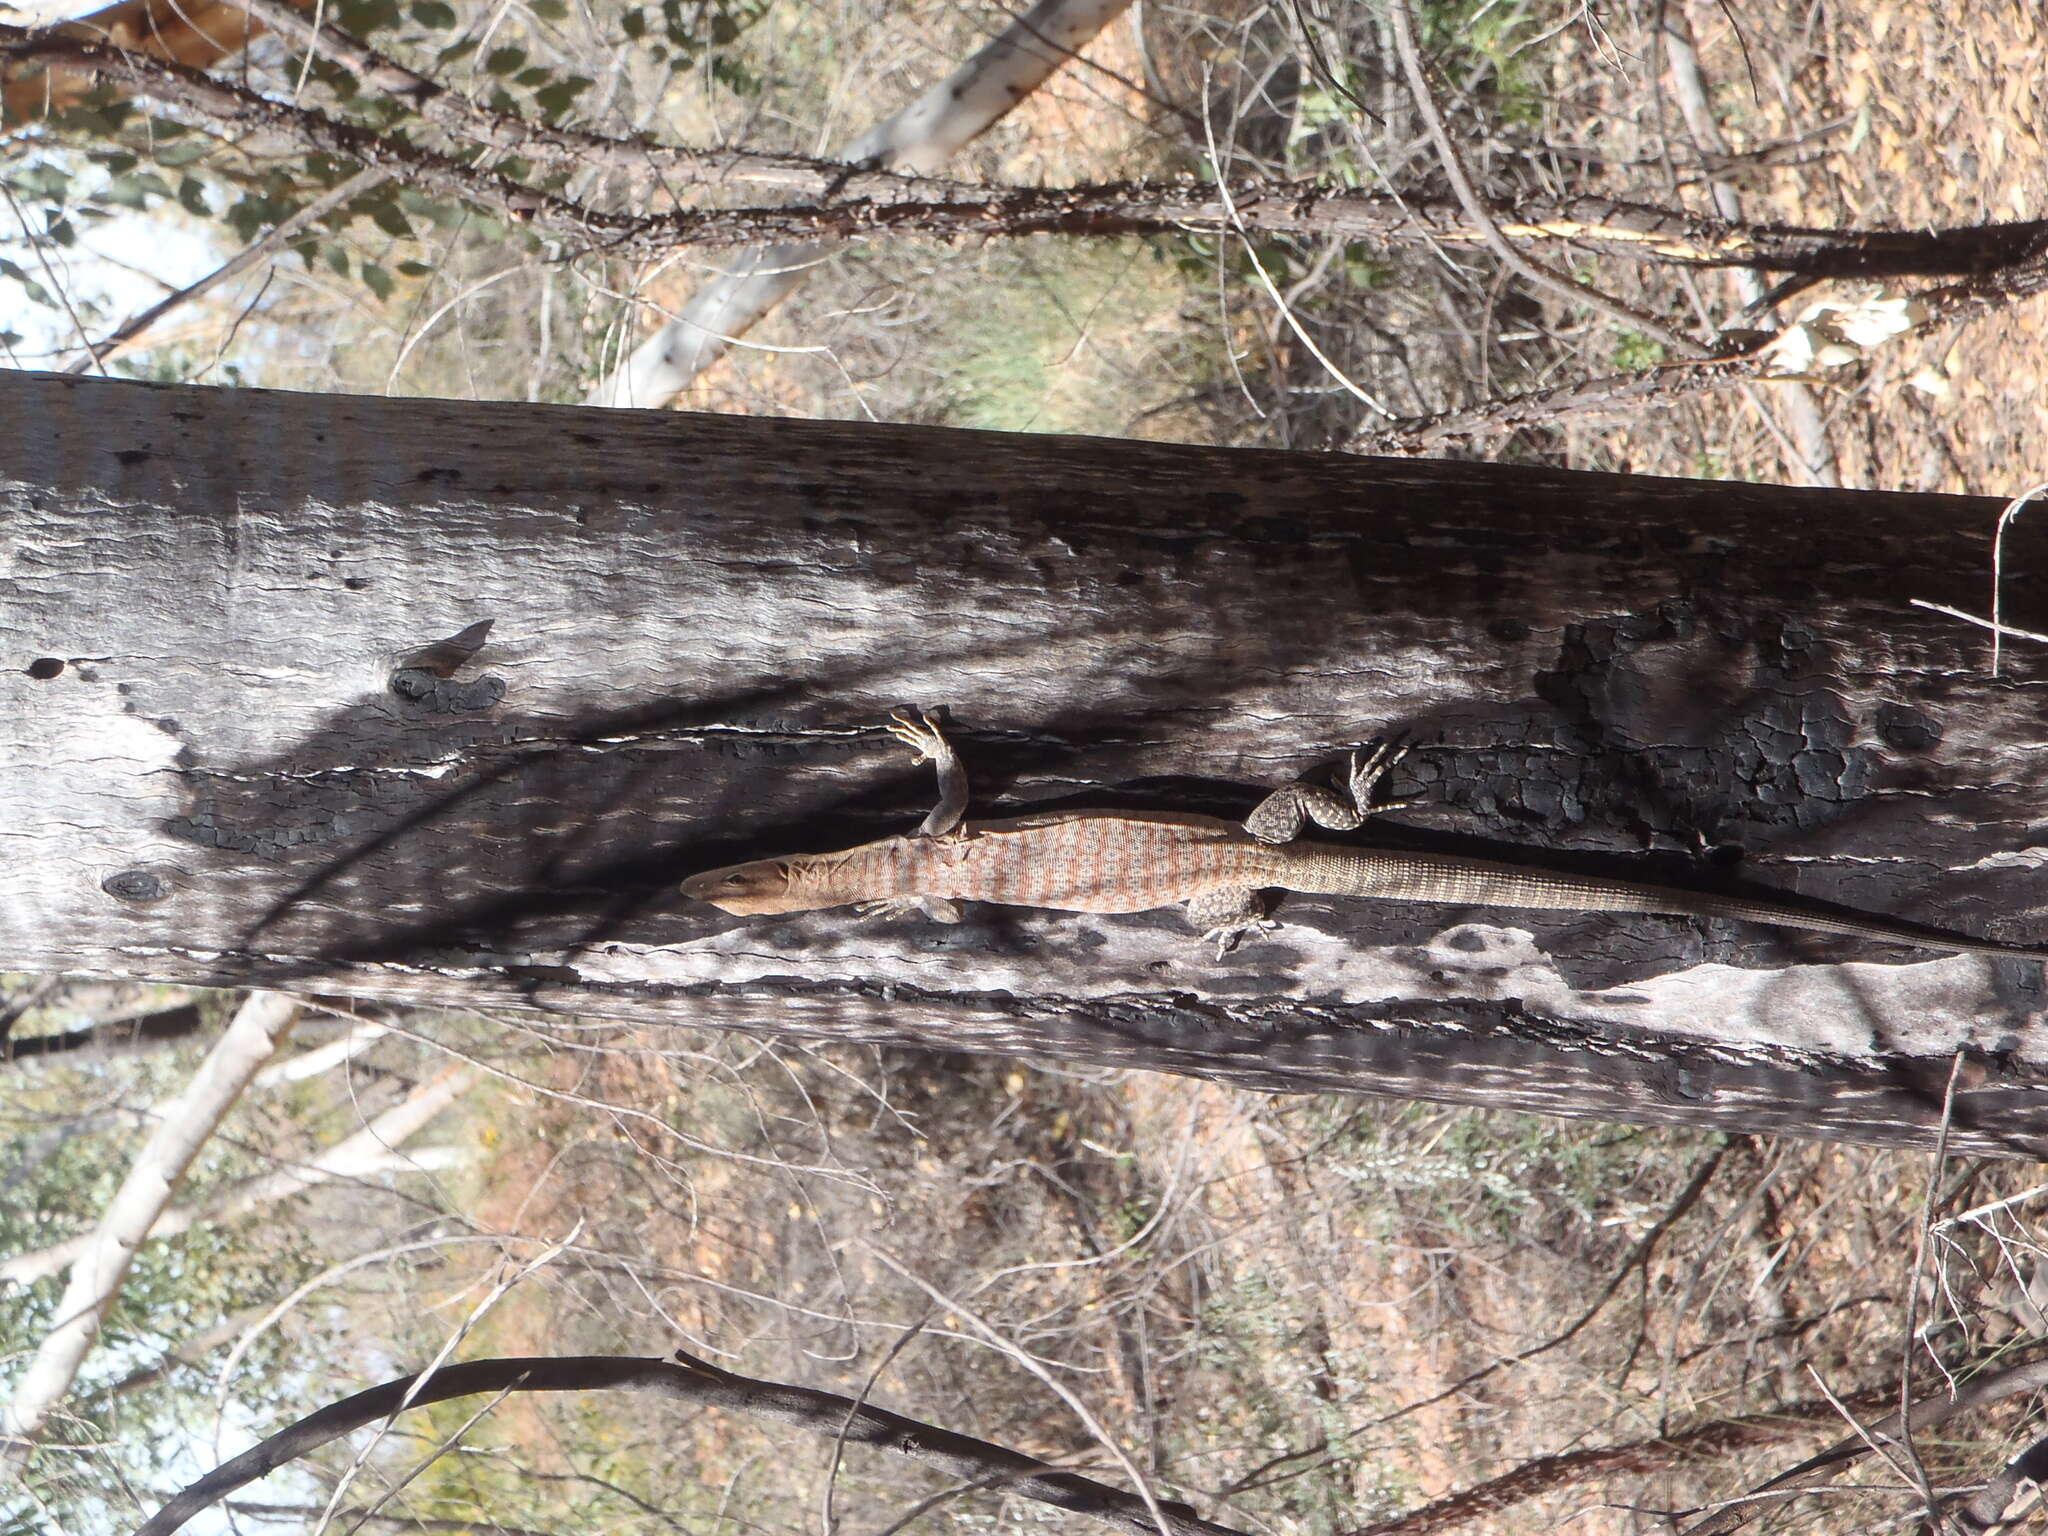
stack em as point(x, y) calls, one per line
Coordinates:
point(916, 141)
point(436, 701)
point(366, 1152)
point(99, 1261)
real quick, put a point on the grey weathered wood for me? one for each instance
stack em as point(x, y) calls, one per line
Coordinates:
point(254, 735)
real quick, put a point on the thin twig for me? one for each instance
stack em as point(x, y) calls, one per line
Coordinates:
point(2005, 521)
point(1910, 1344)
point(1153, 1503)
point(129, 333)
point(1979, 620)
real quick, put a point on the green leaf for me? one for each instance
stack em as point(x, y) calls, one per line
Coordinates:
point(634, 24)
point(433, 13)
point(361, 16)
point(534, 76)
point(549, 10)
point(388, 218)
point(337, 258)
point(461, 50)
point(176, 155)
point(414, 268)
point(29, 285)
point(377, 280)
point(502, 61)
point(735, 76)
point(192, 193)
point(44, 180)
point(559, 97)
point(135, 191)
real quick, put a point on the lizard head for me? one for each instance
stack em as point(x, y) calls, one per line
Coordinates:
point(748, 890)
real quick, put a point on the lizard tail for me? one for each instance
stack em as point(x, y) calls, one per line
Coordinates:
point(1454, 880)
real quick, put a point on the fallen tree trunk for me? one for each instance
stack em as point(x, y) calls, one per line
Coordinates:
point(436, 701)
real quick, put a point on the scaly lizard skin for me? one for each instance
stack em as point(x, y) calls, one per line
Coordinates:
point(1132, 861)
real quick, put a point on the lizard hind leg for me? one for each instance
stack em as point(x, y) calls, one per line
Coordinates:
point(919, 730)
point(1230, 915)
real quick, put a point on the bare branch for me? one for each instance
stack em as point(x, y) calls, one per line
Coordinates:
point(1544, 1474)
point(695, 1381)
point(1979, 1392)
point(866, 201)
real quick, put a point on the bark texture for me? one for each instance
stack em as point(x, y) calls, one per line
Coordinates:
point(437, 701)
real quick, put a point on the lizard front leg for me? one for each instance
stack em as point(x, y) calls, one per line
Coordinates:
point(1279, 816)
point(919, 730)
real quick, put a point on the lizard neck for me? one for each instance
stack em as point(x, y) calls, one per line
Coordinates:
point(873, 871)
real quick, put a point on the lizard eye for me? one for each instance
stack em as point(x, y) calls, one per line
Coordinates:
point(734, 880)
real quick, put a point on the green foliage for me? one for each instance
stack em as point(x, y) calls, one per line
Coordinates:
point(1480, 39)
point(1633, 352)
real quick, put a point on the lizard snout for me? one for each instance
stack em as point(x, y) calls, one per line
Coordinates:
point(744, 890)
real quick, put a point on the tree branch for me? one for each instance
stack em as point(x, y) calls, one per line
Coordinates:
point(695, 1381)
point(1543, 1474)
point(865, 201)
point(1979, 1392)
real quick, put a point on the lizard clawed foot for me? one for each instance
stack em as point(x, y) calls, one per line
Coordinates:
point(1371, 765)
point(1229, 935)
point(937, 908)
point(889, 906)
point(919, 731)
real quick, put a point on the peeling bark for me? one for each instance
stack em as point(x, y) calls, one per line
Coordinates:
point(436, 701)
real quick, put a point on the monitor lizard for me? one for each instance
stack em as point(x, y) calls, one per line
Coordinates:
point(1133, 861)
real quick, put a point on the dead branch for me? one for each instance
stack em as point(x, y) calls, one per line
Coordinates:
point(698, 1382)
point(1544, 1474)
point(1979, 1392)
point(866, 202)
